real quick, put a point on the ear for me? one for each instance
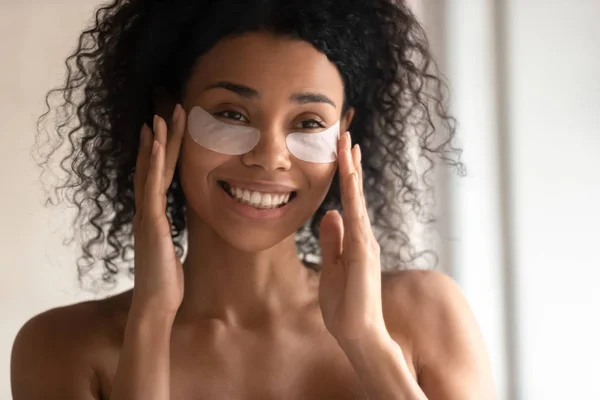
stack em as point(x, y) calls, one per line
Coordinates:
point(347, 120)
point(163, 103)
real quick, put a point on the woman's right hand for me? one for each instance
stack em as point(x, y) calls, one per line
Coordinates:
point(158, 277)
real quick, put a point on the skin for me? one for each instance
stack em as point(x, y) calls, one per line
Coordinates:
point(250, 325)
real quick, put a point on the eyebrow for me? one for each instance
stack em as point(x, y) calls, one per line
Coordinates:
point(237, 88)
point(249, 93)
point(305, 98)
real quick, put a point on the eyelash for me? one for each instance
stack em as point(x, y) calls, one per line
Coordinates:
point(224, 115)
point(316, 123)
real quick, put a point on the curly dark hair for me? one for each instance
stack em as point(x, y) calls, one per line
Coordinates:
point(136, 47)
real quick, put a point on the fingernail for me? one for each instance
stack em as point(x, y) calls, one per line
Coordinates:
point(358, 153)
point(155, 121)
point(177, 111)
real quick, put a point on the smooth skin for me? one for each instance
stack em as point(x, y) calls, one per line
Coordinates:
point(242, 318)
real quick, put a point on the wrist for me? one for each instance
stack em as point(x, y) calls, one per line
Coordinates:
point(143, 313)
point(370, 343)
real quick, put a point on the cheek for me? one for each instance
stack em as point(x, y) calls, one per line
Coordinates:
point(194, 157)
point(195, 165)
point(320, 177)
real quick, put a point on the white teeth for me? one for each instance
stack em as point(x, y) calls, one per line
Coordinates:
point(258, 199)
point(255, 198)
point(246, 195)
point(265, 200)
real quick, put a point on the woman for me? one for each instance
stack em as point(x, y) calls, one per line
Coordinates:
point(246, 101)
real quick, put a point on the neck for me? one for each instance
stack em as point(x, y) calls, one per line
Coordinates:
point(241, 288)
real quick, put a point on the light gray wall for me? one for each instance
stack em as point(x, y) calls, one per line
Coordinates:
point(554, 110)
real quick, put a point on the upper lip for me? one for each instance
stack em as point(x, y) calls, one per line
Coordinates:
point(260, 186)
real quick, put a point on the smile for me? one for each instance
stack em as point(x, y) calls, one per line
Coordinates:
point(258, 200)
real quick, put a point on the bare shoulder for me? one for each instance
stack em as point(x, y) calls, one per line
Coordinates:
point(412, 292)
point(417, 303)
point(447, 346)
point(58, 353)
point(422, 293)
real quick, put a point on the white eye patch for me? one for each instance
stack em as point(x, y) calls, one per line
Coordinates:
point(219, 136)
point(320, 147)
point(230, 139)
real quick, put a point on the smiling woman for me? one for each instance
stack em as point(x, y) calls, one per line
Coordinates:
point(229, 121)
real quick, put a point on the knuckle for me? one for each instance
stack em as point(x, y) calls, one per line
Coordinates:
point(356, 235)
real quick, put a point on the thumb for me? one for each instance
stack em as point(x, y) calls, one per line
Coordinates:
point(331, 235)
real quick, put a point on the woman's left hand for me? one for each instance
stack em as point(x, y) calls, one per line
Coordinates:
point(350, 283)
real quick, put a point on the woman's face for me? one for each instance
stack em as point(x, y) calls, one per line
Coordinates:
point(276, 85)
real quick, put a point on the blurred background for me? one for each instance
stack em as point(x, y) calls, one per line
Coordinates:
point(519, 233)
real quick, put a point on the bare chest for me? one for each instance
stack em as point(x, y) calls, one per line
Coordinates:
point(266, 378)
point(303, 368)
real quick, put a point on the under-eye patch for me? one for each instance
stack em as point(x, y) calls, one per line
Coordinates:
point(219, 136)
point(231, 139)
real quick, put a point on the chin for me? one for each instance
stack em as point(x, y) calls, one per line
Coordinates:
point(252, 239)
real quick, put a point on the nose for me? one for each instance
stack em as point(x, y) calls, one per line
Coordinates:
point(271, 152)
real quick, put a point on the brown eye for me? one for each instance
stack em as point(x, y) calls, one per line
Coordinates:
point(234, 115)
point(312, 124)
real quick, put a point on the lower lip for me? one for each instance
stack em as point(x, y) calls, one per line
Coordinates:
point(250, 212)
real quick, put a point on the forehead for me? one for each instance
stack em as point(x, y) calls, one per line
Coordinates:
point(273, 65)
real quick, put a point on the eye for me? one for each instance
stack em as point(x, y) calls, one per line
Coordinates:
point(311, 124)
point(234, 115)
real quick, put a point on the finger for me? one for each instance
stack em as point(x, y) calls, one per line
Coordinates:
point(175, 137)
point(345, 167)
point(356, 158)
point(141, 166)
point(160, 130)
point(160, 134)
point(331, 234)
point(154, 194)
point(351, 198)
point(355, 218)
